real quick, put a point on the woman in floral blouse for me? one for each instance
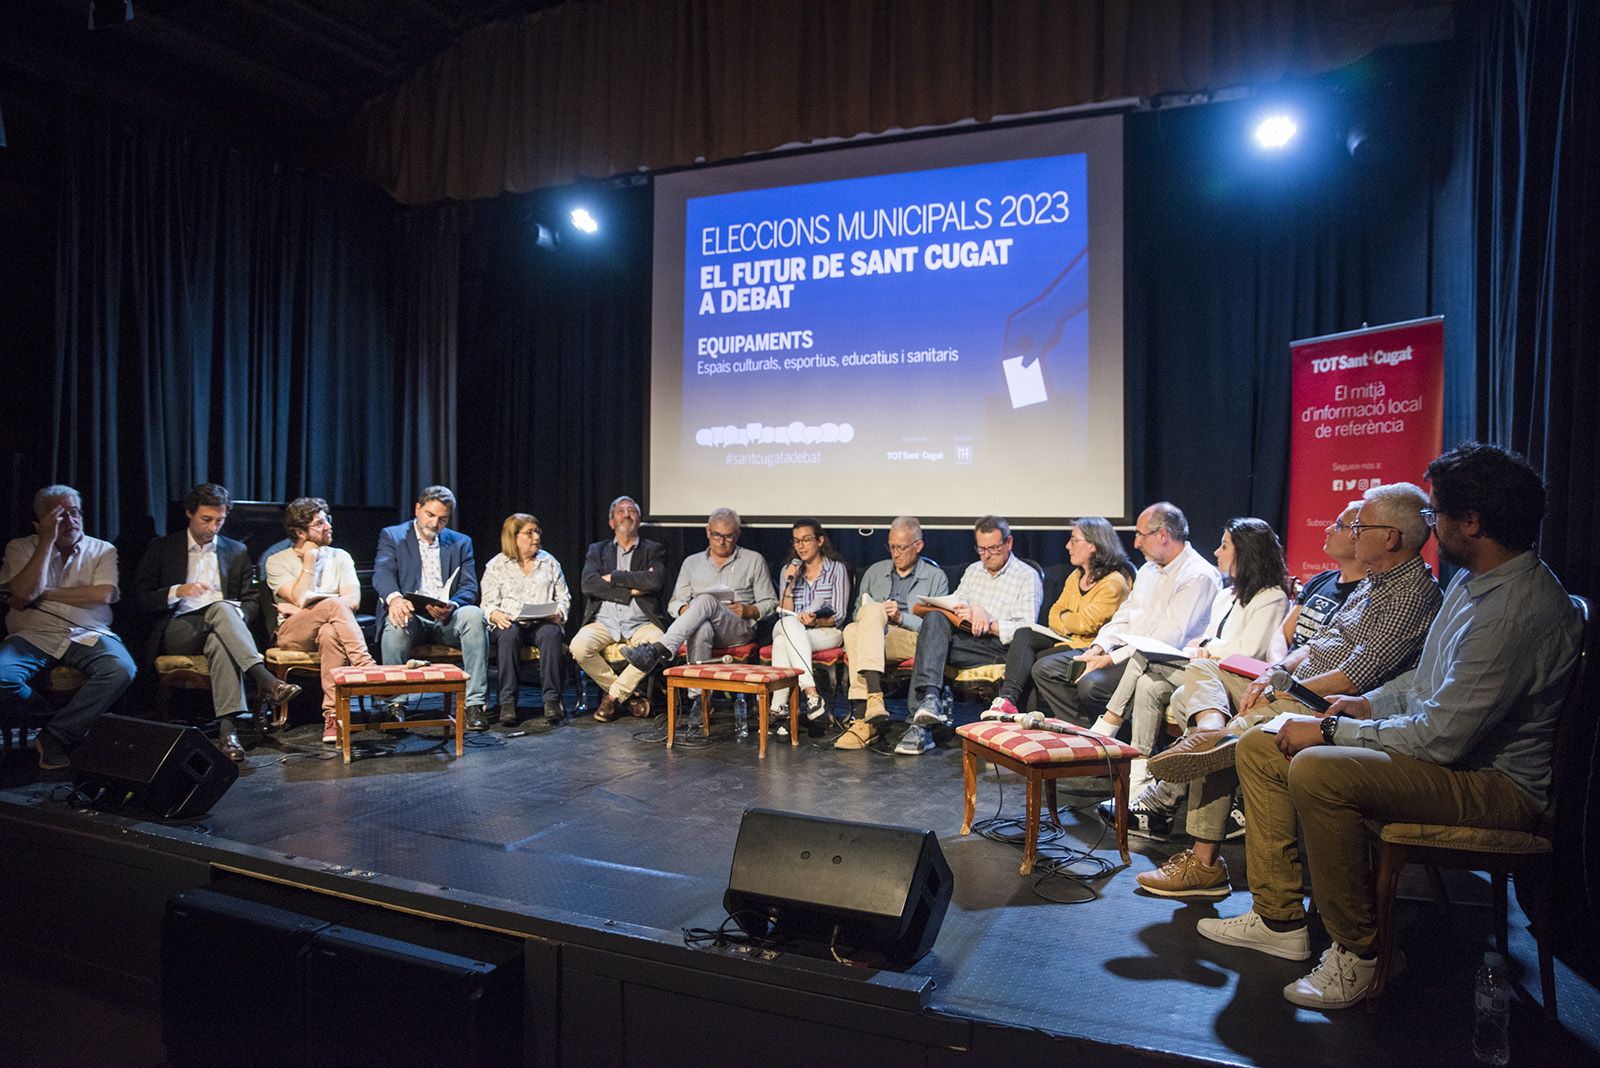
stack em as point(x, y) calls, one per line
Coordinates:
point(524, 574)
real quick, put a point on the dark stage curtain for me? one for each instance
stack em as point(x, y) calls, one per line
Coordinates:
point(592, 89)
point(231, 319)
point(1536, 124)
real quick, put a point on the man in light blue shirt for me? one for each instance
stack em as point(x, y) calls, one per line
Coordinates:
point(1465, 738)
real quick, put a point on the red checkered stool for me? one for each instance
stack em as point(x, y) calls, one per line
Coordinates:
point(1042, 757)
point(735, 678)
point(388, 681)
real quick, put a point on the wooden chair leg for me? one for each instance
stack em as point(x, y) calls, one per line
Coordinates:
point(672, 710)
point(1030, 843)
point(1391, 862)
point(1536, 895)
point(1050, 801)
point(969, 779)
point(1502, 937)
point(342, 708)
point(794, 713)
point(763, 713)
point(1119, 803)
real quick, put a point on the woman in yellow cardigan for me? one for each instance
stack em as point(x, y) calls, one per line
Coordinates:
point(1100, 581)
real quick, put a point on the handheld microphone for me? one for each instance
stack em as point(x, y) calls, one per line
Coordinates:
point(1283, 682)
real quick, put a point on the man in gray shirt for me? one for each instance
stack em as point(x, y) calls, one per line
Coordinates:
point(1464, 739)
point(705, 619)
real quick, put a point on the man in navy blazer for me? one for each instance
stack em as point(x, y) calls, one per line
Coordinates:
point(425, 556)
point(622, 580)
point(194, 587)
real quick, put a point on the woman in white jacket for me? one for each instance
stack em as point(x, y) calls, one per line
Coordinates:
point(1246, 617)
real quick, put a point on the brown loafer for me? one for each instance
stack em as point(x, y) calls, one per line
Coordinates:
point(279, 693)
point(639, 706)
point(229, 744)
point(609, 709)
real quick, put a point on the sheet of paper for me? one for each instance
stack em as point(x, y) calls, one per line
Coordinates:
point(1025, 383)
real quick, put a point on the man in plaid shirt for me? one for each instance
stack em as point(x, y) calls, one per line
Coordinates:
point(997, 594)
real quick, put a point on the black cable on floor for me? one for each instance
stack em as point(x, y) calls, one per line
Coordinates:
point(1054, 861)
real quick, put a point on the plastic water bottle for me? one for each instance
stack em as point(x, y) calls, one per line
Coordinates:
point(947, 701)
point(1492, 1012)
point(741, 717)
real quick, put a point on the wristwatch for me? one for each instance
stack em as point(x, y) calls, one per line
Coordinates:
point(1329, 725)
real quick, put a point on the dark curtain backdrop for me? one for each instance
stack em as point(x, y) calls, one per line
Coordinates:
point(592, 89)
point(229, 319)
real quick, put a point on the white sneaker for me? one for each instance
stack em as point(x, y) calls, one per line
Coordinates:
point(928, 715)
point(1339, 980)
point(1251, 932)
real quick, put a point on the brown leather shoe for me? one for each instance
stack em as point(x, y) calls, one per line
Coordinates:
point(609, 709)
point(639, 706)
point(229, 744)
point(1194, 756)
point(279, 693)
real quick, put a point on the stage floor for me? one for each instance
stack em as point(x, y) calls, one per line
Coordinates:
point(592, 819)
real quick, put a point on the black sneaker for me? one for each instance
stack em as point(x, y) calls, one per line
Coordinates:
point(1144, 820)
point(1235, 826)
point(815, 709)
point(53, 755)
point(647, 657)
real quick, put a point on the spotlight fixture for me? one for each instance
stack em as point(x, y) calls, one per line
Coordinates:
point(1275, 131)
point(584, 221)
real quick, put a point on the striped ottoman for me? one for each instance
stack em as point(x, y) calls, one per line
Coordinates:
point(758, 679)
point(1041, 757)
point(388, 681)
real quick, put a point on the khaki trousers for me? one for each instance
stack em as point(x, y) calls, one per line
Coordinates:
point(592, 640)
point(1333, 791)
point(870, 642)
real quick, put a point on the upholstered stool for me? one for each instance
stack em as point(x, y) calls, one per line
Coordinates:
point(174, 672)
point(1041, 757)
point(388, 681)
point(758, 679)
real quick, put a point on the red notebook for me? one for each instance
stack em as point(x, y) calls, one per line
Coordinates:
point(1248, 666)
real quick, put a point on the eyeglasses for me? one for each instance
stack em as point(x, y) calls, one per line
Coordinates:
point(907, 547)
point(806, 539)
point(717, 535)
point(1429, 516)
point(1152, 532)
point(992, 550)
point(1357, 528)
point(1075, 540)
point(1339, 524)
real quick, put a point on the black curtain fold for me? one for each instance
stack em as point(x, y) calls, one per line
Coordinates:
point(233, 319)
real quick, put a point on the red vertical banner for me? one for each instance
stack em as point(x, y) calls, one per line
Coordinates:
point(1368, 409)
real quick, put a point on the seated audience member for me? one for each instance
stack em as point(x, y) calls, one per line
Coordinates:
point(885, 628)
point(192, 586)
point(1325, 592)
point(425, 556)
point(706, 620)
point(522, 573)
point(61, 584)
point(816, 591)
point(1375, 635)
point(622, 580)
point(1100, 581)
point(1246, 618)
point(316, 593)
point(1170, 602)
point(997, 594)
point(1465, 738)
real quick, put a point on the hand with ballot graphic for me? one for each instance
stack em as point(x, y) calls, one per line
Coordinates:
point(1053, 325)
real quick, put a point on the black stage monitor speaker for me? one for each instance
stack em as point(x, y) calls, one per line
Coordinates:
point(847, 885)
point(166, 769)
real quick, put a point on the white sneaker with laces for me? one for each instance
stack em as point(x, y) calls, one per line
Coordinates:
point(1251, 931)
point(1339, 980)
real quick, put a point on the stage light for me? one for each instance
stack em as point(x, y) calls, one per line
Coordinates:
point(584, 221)
point(1275, 131)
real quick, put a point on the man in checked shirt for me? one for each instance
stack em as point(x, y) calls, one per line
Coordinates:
point(1376, 635)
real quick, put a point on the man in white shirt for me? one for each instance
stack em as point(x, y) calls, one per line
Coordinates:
point(61, 584)
point(315, 594)
point(196, 587)
point(1170, 602)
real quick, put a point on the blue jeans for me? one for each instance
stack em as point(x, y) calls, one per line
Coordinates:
point(106, 664)
point(465, 628)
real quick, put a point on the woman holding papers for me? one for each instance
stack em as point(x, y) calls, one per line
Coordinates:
point(1246, 617)
point(1100, 581)
point(526, 598)
point(816, 592)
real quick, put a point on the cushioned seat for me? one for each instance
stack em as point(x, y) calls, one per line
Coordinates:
point(170, 663)
point(1041, 757)
point(282, 661)
point(758, 679)
point(1479, 839)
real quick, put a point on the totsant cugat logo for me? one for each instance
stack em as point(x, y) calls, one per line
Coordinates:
point(755, 433)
